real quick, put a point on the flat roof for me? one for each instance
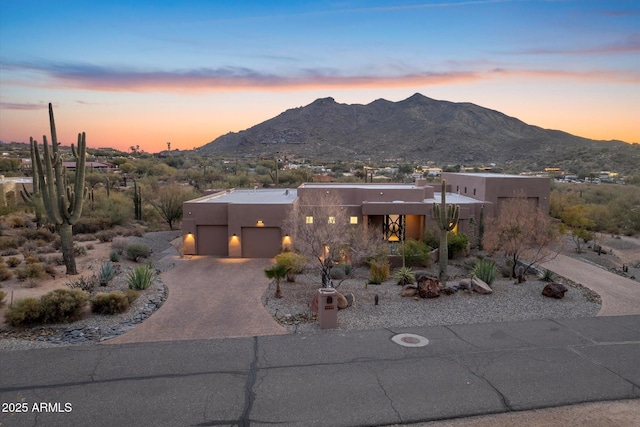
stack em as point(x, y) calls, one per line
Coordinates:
point(16, 179)
point(493, 175)
point(269, 196)
point(374, 186)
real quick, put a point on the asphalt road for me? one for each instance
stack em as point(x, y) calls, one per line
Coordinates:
point(331, 378)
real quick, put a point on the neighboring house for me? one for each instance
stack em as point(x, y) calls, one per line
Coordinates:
point(90, 165)
point(249, 223)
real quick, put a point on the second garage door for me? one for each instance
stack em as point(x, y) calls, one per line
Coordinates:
point(261, 242)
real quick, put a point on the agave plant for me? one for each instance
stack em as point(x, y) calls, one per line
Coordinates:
point(107, 272)
point(485, 270)
point(404, 276)
point(141, 278)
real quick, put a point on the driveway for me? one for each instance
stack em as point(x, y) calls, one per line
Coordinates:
point(620, 296)
point(209, 298)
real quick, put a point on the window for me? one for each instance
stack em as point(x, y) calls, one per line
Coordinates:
point(309, 220)
point(332, 220)
point(353, 220)
point(474, 191)
point(394, 228)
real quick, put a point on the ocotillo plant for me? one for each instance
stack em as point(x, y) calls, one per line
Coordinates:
point(137, 201)
point(446, 219)
point(62, 203)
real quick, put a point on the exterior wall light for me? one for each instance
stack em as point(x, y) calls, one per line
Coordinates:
point(260, 223)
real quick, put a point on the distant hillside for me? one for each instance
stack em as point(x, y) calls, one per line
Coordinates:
point(420, 129)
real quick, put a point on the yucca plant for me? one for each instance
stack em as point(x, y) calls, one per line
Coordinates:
point(404, 276)
point(547, 276)
point(107, 272)
point(485, 270)
point(141, 278)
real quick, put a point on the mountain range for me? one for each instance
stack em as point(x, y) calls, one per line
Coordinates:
point(418, 130)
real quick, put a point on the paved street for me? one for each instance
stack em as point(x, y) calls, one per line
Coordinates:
point(328, 378)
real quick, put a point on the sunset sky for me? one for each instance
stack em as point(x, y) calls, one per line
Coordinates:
point(150, 72)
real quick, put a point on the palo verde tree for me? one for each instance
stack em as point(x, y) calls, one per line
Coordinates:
point(521, 230)
point(168, 201)
point(446, 220)
point(62, 202)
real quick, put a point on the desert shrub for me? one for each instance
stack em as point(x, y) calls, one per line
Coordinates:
point(13, 261)
point(3, 295)
point(79, 250)
point(50, 270)
point(456, 243)
point(431, 238)
point(30, 271)
point(56, 243)
point(29, 248)
point(131, 295)
point(31, 259)
point(114, 256)
point(24, 312)
point(46, 249)
point(348, 268)
point(119, 244)
point(43, 234)
point(337, 273)
point(135, 251)
point(107, 273)
point(89, 246)
point(84, 238)
point(110, 303)
point(5, 273)
point(416, 253)
point(404, 276)
point(9, 252)
point(7, 243)
point(141, 278)
point(63, 305)
point(17, 221)
point(485, 270)
point(379, 270)
point(105, 235)
point(83, 283)
point(294, 262)
point(91, 225)
point(56, 259)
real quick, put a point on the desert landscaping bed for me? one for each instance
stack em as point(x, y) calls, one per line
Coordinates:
point(508, 302)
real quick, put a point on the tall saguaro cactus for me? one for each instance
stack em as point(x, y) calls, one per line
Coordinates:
point(33, 198)
point(446, 219)
point(62, 202)
point(137, 201)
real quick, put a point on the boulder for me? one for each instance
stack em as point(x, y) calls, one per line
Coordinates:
point(449, 290)
point(465, 284)
point(342, 301)
point(480, 286)
point(351, 299)
point(429, 288)
point(554, 290)
point(408, 291)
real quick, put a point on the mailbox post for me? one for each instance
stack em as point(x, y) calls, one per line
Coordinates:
point(327, 308)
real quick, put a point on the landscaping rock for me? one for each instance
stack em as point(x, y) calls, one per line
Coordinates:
point(342, 301)
point(554, 290)
point(480, 286)
point(465, 284)
point(429, 288)
point(409, 291)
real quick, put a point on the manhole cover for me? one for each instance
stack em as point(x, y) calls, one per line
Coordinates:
point(410, 340)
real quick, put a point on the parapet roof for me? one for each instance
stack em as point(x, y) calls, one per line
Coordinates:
point(269, 196)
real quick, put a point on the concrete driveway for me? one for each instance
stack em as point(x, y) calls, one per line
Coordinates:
point(209, 298)
point(620, 296)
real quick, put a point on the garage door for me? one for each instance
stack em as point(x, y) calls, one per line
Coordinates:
point(261, 242)
point(212, 240)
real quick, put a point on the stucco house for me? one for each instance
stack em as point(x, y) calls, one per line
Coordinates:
point(250, 223)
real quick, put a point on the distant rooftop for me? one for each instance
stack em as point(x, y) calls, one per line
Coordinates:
point(374, 186)
point(490, 175)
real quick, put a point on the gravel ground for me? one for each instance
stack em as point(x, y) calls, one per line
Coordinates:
point(508, 302)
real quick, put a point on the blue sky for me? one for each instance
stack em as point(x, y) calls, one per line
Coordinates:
point(144, 73)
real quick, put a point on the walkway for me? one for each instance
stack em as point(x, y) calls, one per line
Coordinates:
point(209, 298)
point(620, 296)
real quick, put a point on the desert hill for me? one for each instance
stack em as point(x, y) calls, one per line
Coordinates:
point(420, 129)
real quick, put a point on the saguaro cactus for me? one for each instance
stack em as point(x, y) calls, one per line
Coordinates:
point(137, 201)
point(33, 198)
point(446, 219)
point(62, 202)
